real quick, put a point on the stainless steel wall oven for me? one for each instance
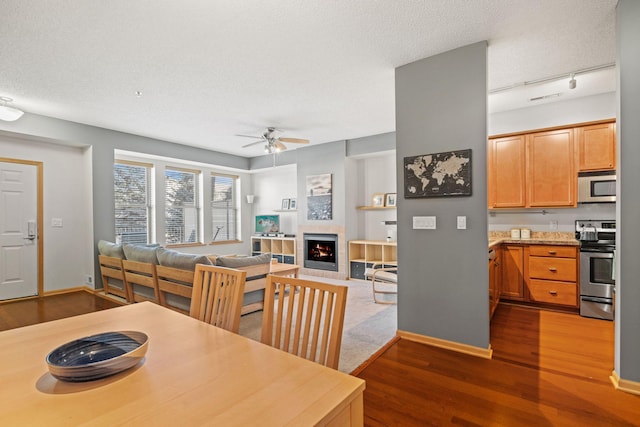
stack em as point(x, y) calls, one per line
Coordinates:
point(597, 257)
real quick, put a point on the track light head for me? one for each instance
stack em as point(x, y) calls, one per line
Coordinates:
point(572, 82)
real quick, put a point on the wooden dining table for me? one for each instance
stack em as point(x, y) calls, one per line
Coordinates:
point(193, 374)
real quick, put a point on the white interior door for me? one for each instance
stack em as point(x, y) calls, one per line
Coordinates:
point(18, 230)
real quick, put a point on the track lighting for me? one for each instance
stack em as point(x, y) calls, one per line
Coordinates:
point(8, 113)
point(572, 82)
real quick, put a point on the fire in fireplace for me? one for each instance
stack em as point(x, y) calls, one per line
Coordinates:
point(320, 251)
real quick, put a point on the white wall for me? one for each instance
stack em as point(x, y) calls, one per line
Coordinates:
point(379, 176)
point(270, 186)
point(67, 195)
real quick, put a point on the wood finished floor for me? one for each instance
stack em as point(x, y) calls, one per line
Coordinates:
point(548, 369)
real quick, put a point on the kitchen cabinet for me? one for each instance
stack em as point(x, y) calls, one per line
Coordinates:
point(532, 170)
point(552, 275)
point(551, 177)
point(507, 172)
point(364, 254)
point(540, 274)
point(596, 147)
point(494, 280)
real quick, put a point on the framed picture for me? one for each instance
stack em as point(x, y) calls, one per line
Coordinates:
point(319, 190)
point(293, 204)
point(377, 201)
point(390, 199)
point(285, 204)
point(438, 175)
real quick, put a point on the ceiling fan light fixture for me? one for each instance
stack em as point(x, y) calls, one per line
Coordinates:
point(8, 113)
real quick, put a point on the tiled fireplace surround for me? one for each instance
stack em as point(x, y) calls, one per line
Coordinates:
point(341, 274)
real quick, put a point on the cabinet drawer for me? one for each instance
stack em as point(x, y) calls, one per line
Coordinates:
point(563, 269)
point(553, 251)
point(548, 291)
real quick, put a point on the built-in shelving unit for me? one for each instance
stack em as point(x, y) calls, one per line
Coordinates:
point(364, 254)
point(281, 248)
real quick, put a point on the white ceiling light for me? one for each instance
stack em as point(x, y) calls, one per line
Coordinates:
point(572, 82)
point(7, 113)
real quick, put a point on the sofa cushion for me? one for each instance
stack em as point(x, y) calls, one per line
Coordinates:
point(236, 262)
point(110, 249)
point(141, 253)
point(182, 261)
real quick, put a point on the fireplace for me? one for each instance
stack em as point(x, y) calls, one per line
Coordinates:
point(320, 251)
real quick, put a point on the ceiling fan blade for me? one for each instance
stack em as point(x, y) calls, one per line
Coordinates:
point(294, 140)
point(253, 143)
point(250, 136)
point(280, 146)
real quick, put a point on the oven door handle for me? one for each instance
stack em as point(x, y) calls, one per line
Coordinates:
point(599, 253)
point(599, 300)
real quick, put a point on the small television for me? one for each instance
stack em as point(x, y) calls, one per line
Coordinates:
point(267, 223)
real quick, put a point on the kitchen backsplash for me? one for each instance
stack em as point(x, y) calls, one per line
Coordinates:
point(535, 235)
point(553, 220)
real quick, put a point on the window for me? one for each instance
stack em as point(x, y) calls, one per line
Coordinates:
point(182, 211)
point(224, 213)
point(132, 201)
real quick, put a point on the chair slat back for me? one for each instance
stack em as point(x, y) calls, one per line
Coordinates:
point(304, 318)
point(174, 282)
point(140, 274)
point(217, 296)
point(111, 268)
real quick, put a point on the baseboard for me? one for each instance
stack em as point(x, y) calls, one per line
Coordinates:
point(68, 291)
point(484, 353)
point(374, 356)
point(628, 386)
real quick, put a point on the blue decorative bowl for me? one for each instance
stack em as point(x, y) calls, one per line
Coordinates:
point(97, 356)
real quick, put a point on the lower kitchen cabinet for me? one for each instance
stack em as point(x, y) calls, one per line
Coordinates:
point(512, 275)
point(494, 280)
point(540, 274)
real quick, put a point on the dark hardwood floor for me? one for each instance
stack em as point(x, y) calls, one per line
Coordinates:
point(548, 369)
point(14, 314)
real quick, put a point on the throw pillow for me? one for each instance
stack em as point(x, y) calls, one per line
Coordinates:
point(236, 262)
point(110, 249)
point(141, 253)
point(182, 261)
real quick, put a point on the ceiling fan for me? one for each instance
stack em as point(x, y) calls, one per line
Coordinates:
point(273, 144)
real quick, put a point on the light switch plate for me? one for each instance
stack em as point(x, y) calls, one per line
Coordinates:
point(462, 222)
point(424, 222)
point(56, 222)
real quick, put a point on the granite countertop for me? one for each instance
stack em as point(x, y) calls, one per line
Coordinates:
point(537, 238)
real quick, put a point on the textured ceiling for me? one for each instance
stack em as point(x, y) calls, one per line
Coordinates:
point(317, 69)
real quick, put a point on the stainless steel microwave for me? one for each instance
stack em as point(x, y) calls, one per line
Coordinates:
point(597, 187)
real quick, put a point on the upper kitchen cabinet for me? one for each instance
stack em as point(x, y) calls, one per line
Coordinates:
point(597, 147)
point(532, 170)
point(507, 172)
point(551, 174)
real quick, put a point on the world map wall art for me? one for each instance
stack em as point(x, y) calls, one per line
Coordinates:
point(438, 175)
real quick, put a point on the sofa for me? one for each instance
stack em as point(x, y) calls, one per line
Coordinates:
point(154, 273)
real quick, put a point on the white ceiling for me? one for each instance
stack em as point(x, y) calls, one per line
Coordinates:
point(317, 69)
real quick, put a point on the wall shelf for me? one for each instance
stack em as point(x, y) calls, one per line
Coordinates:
point(285, 210)
point(374, 208)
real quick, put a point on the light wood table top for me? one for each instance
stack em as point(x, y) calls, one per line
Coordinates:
point(193, 374)
point(283, 269)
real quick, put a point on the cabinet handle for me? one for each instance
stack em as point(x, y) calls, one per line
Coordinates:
point(554, 293)
point(553, 269)
point(552, 252)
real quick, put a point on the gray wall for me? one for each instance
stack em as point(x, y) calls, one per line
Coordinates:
point(441, 105)
point(627, 363)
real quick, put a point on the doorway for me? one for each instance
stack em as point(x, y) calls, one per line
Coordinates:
point(20, 228)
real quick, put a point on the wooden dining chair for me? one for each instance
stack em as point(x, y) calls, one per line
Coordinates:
point(141, 281)
point(304, 318)
point(217, 296)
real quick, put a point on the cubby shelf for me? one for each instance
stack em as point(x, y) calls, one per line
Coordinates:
point(364, 253)
point(281, 248)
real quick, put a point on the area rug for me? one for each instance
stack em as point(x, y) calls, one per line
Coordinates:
point(367, 326)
